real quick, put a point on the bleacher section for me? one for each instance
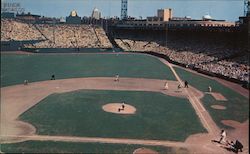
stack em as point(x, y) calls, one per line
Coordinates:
point(55, 36)
point(18, 31)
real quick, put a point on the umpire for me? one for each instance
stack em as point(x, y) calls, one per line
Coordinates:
point(186, 84)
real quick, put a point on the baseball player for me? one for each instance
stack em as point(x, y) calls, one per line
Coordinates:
point(117, 77)
point(166, 86)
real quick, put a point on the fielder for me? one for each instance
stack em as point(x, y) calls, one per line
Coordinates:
point(209, 89)
point(25, 82)
point(117, 77)
point(179, 87)
point(223, 135)
point(166, 86)
point(123, 105)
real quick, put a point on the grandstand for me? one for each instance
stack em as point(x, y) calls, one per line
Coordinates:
point(19, 31)
point(54, 35)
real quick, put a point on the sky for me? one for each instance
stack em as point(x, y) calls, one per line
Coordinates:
point(229, 10)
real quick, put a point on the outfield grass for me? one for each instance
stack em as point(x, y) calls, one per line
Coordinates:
point(237, 106)
point(79, 113)
point(69, 147)
point(16, 68)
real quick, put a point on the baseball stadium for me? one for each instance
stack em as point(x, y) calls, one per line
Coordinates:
point(104, 86)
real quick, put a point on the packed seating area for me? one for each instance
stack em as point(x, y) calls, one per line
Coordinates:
point(104, 41)
point(72, 36)
point(55, 36)
point(132, 45)
point(212, 58)
point(18, 31)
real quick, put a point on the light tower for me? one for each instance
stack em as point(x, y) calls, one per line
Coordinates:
point(124, 9)
point(246, 7)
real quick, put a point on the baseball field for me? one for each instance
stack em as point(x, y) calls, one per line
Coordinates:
point(82, 109)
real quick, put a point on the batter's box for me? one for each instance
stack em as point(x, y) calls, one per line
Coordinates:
point(218, 96)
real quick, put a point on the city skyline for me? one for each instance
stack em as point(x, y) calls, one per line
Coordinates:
point(228, 10)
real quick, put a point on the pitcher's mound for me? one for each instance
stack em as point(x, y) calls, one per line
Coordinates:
point(114, 108)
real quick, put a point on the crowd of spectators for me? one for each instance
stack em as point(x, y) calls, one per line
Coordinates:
point(211, 57)
point(72, 36)
point(55, 35)
point(18, 31)
point(103, 38)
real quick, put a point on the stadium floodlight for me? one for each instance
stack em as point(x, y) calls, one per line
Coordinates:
point(124, 9)
point(246, 7)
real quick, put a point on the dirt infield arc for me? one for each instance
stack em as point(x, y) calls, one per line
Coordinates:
point(19, 98)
